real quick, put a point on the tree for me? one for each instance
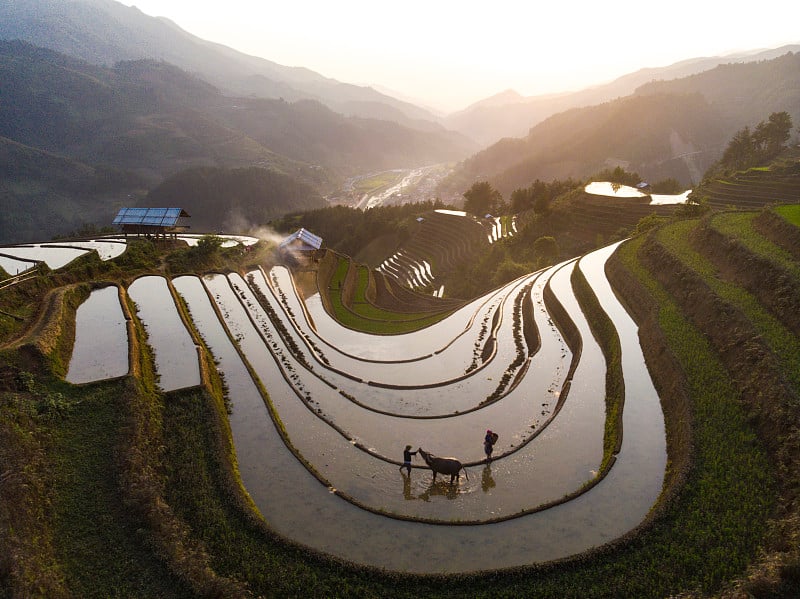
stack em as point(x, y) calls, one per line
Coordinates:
point(546, 250)
point(617, 175)
point(740, 150)
point(770, 136)
point(667, 186)
point(539, 195)
point(749, 148)
point(482, 199)
point(520, 200)
point(208, 245)
point(508, 270)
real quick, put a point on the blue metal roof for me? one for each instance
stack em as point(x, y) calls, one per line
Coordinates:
point(306, 237)
point(155, 217)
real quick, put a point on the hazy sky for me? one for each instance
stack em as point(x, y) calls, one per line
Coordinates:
point(449, 54)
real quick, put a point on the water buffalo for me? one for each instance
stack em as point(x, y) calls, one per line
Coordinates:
point(450, 466)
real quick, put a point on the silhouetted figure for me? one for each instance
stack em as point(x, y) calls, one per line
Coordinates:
point(488, 444)
point(407, 453)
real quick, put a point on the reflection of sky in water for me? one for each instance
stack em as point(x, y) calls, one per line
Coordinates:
point(430, 340)
point(604, 188)
point(381, 432)
point(100, 350)
point(543, 471)
point(54, 257)
point(175, 352)
point(670, 199)
point(12, 266)
point(643, 420)
point(106, 249)
point(453, 361)
point(57, 254)
point(297, 506)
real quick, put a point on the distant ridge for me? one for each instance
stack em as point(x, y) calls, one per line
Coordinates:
point(667, 129)
point(134, 124)
point(509, 114)
point(104, 32)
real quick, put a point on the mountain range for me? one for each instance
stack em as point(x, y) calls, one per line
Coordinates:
point(104, 32)
point(148, 119)
point(509, 114)
point(665, 129)
point(101, 103)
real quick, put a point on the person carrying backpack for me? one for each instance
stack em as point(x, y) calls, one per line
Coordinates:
point(488, 444)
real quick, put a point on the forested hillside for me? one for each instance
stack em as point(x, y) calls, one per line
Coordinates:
point(104, 32)
point(669, 129)
point(233, 200)
point(43, 193)
point(509, 114)
point(146, 120)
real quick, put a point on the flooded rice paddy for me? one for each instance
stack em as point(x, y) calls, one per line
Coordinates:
point(348, 403)
point(176, 358)
point(54, 256)
point(101, 338)
point(19, 258)
point(14, 266)
point(614, 190)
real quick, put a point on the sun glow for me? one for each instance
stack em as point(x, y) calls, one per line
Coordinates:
point(453, 53)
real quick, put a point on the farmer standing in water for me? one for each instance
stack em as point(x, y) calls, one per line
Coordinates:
point(488, 444)
point(407, 453)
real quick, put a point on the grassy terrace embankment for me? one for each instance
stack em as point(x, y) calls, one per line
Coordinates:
point(606, 335)
point(114, 489)
point(790, 213)
point(446, 242)
point(344, 287)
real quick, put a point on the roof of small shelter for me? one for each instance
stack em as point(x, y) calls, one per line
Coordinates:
point(154, 217)
point(306, 238)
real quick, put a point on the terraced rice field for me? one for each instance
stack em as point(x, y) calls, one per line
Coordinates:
point(16, 259)
point(443, 240)
point(756, 188)
point(321, 413)
point(101, 344)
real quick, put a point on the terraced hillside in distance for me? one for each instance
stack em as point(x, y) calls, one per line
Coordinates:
point(646, 396)
point(366, 299)
point(754, 188)
point(592, 215)
point(442, 242)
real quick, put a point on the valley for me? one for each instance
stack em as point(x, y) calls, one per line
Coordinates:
point(392, 188)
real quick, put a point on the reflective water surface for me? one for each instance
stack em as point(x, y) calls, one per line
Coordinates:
point(356, 451)
point(175, 353)
point(101, 338)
